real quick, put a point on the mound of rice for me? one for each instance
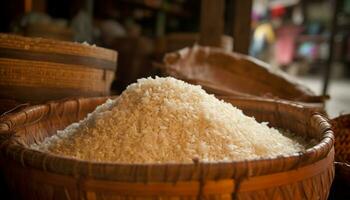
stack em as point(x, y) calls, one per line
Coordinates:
point(167, 120)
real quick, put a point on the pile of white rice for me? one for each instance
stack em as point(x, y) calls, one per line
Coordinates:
point(167, 120)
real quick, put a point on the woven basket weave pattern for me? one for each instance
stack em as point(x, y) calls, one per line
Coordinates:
point(53, 75)
point(341, 127)
point(54, 46)
point(36, 175)
point(36, 70)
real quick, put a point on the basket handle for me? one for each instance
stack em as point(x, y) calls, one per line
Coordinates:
point(16, 108)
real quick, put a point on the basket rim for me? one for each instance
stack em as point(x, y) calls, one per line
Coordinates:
point(294, 161)
point(342, 116)
point(39, 44)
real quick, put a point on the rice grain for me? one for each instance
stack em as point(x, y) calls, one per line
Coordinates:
point(159, 120)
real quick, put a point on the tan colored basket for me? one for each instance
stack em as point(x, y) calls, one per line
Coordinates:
point(32, 174)
point(37, 69)
point(235, 72)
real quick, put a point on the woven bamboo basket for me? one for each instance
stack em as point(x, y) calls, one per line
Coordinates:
point(235, 73)
point(341, 128)
point(32, 174)
point(37, 69)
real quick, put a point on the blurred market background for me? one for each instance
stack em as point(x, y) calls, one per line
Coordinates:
point(308, 39)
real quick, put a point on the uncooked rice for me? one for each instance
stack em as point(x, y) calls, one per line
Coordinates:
point(159, 120)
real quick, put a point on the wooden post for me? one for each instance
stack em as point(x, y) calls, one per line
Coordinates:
point(35, 5)
point(28, 5)
point(328, 70)
point(241, 25)
point(212, 22)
